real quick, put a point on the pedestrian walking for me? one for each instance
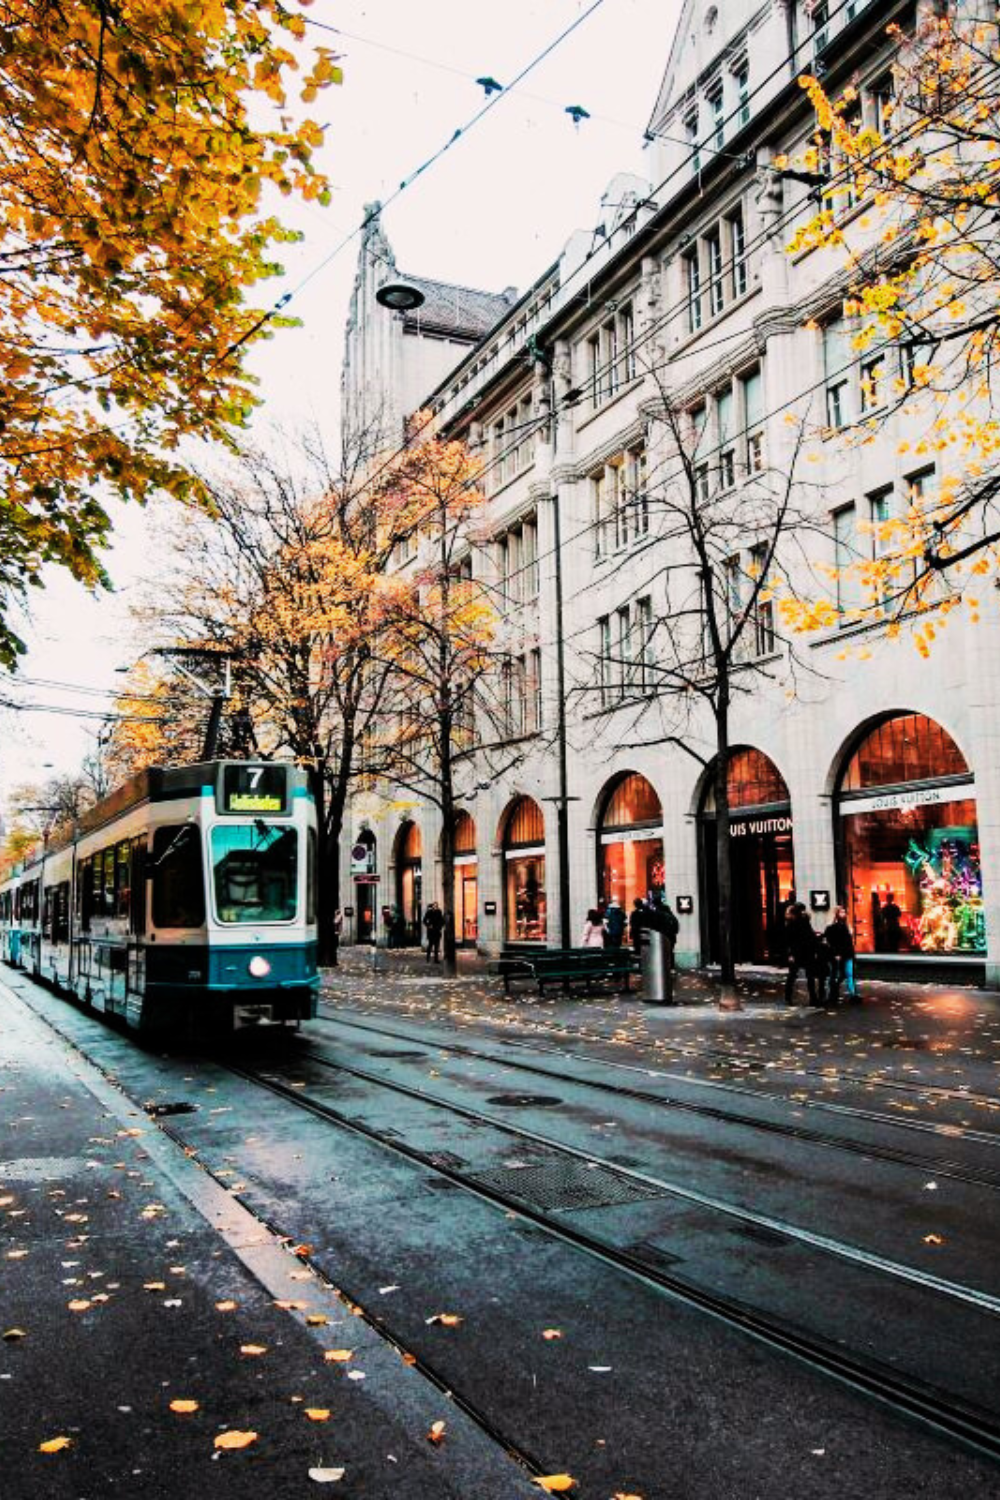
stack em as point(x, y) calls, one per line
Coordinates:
point(839, 940)
point(636, 922)
point(800, 945)
point(593, 930)
point(614, 925)
point(433, 927)
point(336, 929)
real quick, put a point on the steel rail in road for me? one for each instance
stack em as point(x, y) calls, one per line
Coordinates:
point(684, 1049)
point(942, 1166)
point(931, 1407)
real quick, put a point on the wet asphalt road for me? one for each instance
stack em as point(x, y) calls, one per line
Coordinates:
point(633, 1392)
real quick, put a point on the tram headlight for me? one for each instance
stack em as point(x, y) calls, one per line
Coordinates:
point(259, 966)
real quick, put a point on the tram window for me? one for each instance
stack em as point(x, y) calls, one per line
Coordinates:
point(60, 913)
point(86, 889)
point(108, 905)
point(137, 895)
point(122, 880)
point(311, 855)
point(48, 899)
point(178, 882)
point(255, 871)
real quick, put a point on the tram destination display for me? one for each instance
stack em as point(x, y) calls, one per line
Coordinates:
point(254, 788)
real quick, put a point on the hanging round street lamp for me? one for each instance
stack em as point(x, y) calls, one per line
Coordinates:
point(399, 296)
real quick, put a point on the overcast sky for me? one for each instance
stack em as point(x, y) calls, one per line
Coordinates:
point(494, 211)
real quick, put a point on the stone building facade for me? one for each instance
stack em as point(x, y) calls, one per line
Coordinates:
point(861, 773)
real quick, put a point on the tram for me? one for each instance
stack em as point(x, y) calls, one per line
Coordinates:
point(185, 898)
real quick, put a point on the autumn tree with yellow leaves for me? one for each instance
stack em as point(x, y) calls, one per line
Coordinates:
point(912, 198)
point(288, 575)
point(140, 144)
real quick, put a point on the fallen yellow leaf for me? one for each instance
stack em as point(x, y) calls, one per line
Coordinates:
point(621, 1495)
point(338, 1356)
point(13, 1334)
point(154, 1286)
point(79, 1304)
point(303, 1251)
point(287, 1306)
point(436, 1434)
point(228, 1306)
point(55, 1445)
point(316, 1320)
point(253, 1349)
point(551, 1333)
point(235, 1439)
point(318, 1413)
point(933, 1239)
point(556, 1484)
point(447, 1320)
point(184, 1406)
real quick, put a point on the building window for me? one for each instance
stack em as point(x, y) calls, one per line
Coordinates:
point(692, 271)
point(603, 530)
point(533, 714)
point(727, 450)
point(741, 74)
point(691, 137)
point(623, 665)
point(642, 653)
point(873, 373)
point(630, 832)
point(752, 399)
point(738, 253)
point(845, 562)
point(626, 320)
point(763, 619)
point(594, 369)
point(524, 883)
point(635, 490)
point(716, 281)
point(838, 363)
point(604, 659)
point(717, 114)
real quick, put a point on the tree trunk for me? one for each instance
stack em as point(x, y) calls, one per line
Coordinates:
point(723, 848)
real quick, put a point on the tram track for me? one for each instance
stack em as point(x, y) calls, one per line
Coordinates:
point(717, 1055)
point(944, 1167)
point(972, 1426)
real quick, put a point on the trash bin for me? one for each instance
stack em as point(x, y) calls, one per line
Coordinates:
point(656, 955)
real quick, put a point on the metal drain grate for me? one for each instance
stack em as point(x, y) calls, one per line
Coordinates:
point(567, 1185)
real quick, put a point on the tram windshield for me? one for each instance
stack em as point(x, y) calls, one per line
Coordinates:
point(255, 867)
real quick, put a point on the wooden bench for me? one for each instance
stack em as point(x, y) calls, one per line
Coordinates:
point(566, 966)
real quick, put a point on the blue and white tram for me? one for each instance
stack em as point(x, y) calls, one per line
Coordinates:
point(188, 895)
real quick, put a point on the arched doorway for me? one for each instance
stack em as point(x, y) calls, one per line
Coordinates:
point(630, 842)
point(466, 906)
point(908, 842)
point(409, 885)
point(364, 870)
point(762, 856)
point(525, 912)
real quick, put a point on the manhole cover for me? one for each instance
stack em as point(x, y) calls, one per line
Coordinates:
point(180, 1107)
point(525, 1101)
point(568, 1185)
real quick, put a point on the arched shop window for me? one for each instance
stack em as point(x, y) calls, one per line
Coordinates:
point(909, 842)
point(524, 872)
point(409, 884)
point(466, 894)
point(630, 842)
point(762, 857)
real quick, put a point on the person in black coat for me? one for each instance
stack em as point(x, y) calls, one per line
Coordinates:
point(801, 944)
point(637, 921)
point(434, 927)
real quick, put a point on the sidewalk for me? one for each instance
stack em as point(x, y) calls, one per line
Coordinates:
point(154, 1332)
point(894, 1021)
